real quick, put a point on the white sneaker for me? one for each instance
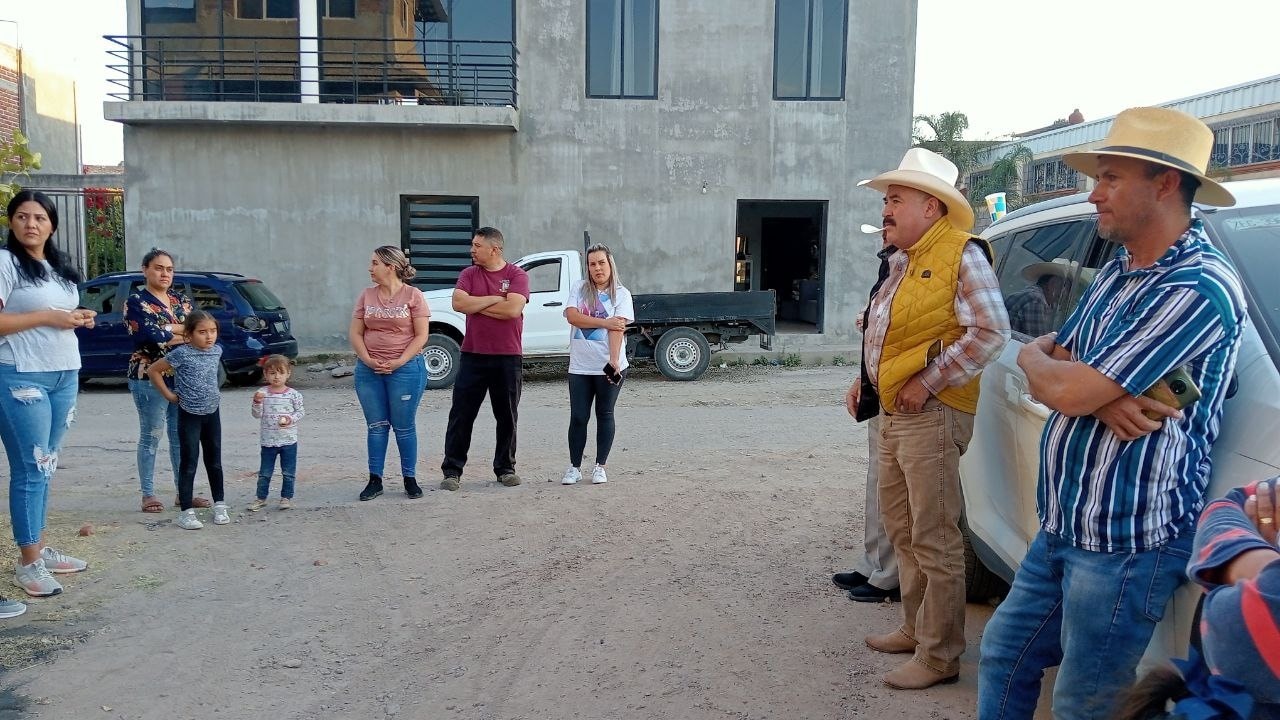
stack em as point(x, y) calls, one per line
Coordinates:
point(36, 580)
point(220, 516)
point(59, 562)
point(598, 476)
point(187, 520)
point(10, 608)
point(571, 476)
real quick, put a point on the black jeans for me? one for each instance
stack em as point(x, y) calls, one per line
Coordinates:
point(583, 389)
point(501, 377)
point(196, 432)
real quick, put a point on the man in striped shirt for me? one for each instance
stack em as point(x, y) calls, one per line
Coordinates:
point(1118, 492)
point(933, 324)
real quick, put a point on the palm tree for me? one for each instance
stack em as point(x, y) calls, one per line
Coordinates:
point(1004, 176)
point(944, 134)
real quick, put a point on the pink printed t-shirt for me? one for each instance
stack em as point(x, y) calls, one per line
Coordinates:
point(388, 326)
point(493, 336)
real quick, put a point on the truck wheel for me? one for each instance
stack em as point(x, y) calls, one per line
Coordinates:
point(442, 355)
point(682, 354)
point(980, 584)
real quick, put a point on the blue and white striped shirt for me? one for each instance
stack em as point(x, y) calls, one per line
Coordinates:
point(1135, 326)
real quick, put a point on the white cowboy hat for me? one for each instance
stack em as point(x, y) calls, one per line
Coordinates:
point(930, 173)
point(1162, 136)
point(1062, 267)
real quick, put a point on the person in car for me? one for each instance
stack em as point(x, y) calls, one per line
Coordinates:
point(389, 328)
point(39, 373)
point(1119, 493)
point(1237, 671)
point(599, 310)
point(154, 316)
point(934, 323)
point(492, 294)
point(1031, 309)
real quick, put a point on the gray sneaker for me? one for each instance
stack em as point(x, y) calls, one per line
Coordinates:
point(450, 482)
point(220, 516)
point(509, 479)
point(10, 608)
point(59, 562)
point(36, 580)
point(187, 520)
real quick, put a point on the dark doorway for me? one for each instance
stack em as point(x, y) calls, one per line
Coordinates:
point(781, 246)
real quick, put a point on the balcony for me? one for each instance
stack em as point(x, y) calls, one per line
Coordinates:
point(279, 80)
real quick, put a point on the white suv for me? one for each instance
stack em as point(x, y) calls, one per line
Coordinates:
point(1000, 468)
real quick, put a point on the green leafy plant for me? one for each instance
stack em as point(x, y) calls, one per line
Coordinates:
point(104, 231)
point(760, 360)
point(792, 360)
point(839, 361)
point(16, 162)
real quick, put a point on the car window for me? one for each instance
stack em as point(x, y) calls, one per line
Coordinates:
point(259, 296)
point(205, 297)
point(544, 276)
point(102, 299)
point(1040, 276)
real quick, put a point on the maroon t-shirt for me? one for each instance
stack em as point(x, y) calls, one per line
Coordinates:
point(486, 335)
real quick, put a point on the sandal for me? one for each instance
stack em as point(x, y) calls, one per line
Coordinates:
point(196, 502)
point(152, 504)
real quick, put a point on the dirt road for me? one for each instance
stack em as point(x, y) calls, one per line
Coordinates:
point(695, 584)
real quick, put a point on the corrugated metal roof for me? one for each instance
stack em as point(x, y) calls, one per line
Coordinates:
point(1256, 93)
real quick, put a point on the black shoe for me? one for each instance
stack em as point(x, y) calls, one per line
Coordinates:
point(867, 592)
point(849, 580)
point(411, 488)
point(373, 489)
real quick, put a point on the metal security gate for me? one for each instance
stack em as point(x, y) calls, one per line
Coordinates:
point(436, 232)
point(90, 226)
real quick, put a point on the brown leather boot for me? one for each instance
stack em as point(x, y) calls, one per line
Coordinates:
point(914, 675)
point(892, 642)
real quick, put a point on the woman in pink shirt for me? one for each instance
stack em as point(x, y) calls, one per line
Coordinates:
point(389, 328)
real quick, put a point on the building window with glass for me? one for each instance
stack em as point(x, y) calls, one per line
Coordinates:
point(168, 11)
point(267, 9)
point(1245, 144)
point(622, 49)
point(809, 49)
point(338, 8)
point(1048, 176)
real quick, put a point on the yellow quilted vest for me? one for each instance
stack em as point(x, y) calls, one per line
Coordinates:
point(922, 318)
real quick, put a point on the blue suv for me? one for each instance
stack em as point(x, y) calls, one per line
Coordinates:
point(252, 322)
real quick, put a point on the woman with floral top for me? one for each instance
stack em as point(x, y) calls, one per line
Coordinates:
point(154, 315)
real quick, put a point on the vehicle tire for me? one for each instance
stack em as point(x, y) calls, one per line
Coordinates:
point(248, 377)
point(980, 584)
point(682, 354)
point(441, 355)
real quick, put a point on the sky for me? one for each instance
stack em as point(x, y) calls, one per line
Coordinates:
point(1011, 66)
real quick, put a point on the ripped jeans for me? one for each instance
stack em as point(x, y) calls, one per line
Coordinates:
point(390, 403)
point(36, 408)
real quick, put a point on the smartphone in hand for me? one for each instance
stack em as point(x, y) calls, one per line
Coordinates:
point(1176, 390)
point(611, 374)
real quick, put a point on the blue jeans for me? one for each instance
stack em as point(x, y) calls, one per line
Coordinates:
point(155, 416)
point(1091, 613)
point(36, 408)
point(288, 455)
point(390, 402)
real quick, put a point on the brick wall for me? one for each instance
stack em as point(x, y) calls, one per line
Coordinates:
point(10, 110)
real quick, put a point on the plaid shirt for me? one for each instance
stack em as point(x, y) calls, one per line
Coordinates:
point(1135, 325)
point(979, 310)
point(1029, 311)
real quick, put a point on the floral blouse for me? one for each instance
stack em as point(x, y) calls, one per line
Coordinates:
point(146, 317)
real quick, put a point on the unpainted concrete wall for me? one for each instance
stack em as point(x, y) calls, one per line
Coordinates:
point(302, 206)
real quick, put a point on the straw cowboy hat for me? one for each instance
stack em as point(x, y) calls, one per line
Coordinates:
point(930, 173)
point(1062, 267)
point(1162, 136)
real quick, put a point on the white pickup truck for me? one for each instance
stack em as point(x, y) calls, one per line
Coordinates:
point(678, 331)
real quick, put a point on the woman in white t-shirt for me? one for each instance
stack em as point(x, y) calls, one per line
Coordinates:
point(599, 310)
point(39, 379)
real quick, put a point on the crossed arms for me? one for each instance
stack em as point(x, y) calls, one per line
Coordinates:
point(501, 307)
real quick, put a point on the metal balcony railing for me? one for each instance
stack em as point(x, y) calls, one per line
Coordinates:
point(399, 71)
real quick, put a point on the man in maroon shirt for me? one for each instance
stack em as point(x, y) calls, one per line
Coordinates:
point(492, 294)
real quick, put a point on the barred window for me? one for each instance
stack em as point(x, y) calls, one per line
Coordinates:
point(1245, 144)
point(1046, 176)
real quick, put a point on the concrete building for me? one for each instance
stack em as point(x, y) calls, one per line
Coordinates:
point(1245, 120)
point(713, 145)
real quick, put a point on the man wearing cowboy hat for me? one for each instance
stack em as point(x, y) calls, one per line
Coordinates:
point(1032, 309)
point(1119, 493)
point(936, 320)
